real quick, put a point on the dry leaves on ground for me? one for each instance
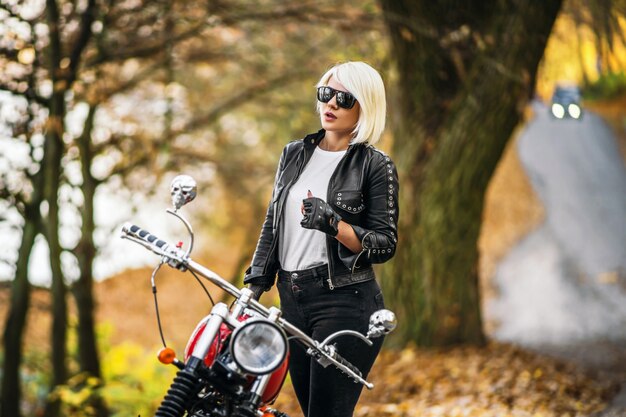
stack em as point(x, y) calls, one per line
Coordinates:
point(496, 380)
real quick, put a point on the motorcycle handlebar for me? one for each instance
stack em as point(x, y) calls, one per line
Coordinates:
point(347, 364)
point(145, 236)
point(177, 258)
point(356, 373)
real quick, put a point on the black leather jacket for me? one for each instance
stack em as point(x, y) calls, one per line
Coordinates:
point(363, 190)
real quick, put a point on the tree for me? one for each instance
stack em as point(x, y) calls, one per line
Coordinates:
point(28, 206)
point(465, 72)
point(603, 18)
point(60, 66)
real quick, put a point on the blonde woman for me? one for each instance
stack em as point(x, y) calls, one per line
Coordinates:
point(333, 213)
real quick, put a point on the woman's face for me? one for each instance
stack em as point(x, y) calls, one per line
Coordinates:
point(337, 119)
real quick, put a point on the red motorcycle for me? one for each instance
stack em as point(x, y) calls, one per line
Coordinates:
point(236, 359)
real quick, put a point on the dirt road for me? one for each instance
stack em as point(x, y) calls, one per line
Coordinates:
point(563, 287)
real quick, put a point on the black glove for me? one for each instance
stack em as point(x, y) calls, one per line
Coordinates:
point(319, 215)
point(257, 290)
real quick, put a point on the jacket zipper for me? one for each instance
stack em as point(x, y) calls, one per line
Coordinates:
point(331, 286)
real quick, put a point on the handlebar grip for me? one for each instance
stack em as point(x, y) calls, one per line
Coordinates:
point(142, 234)
point(347, 364)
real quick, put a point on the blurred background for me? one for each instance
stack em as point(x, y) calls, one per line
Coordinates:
point(506, 120)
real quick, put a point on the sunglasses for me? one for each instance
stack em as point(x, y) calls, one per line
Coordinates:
point(344, 99)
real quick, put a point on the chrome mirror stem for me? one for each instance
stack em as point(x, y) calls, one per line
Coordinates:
point(189, 229)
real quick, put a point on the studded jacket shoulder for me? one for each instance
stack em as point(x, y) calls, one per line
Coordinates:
point(363, 190)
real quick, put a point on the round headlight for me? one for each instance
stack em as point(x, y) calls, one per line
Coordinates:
point(574, 110)
point(558, 111)
point(258, 347)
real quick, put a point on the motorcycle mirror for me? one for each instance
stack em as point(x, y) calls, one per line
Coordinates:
point(382, 322)
point(183, 190)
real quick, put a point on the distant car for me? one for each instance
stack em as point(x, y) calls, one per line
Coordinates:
point(566, 102)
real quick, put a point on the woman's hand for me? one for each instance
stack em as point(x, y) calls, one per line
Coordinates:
point(319, 215)
point(257, 290)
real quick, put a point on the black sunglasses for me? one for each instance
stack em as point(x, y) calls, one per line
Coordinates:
point(344, 99)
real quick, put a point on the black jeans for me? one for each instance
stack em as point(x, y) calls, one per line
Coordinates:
point(308, 304)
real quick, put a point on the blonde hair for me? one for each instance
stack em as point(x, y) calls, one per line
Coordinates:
point(366, 84)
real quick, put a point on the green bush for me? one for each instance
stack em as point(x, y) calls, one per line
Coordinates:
point(133, 381)
point(608, 86)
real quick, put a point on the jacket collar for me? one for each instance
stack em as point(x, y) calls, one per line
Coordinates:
point(312, 140)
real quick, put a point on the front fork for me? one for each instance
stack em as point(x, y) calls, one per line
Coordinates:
point(218, 315)
point(186, 384)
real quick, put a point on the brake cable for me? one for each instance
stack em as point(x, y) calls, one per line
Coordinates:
point(203, 287)
point(156, 302)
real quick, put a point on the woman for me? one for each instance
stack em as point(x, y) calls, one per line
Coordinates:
point(333, 214)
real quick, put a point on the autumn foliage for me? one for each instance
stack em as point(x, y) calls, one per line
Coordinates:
point(498, 380)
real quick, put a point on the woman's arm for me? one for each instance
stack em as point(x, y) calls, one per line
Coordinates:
point(348, 237)
point(378, 233)
point(256, 273)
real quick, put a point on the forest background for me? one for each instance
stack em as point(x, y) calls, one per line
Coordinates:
point(103, 102)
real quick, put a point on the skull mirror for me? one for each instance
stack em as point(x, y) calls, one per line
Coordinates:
point(183, 189)
point(382, 322)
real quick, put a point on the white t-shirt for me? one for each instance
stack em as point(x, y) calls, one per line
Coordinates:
point(301, 248)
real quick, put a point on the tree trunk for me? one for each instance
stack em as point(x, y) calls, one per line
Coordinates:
point(16, 321)
point(464, 75)
point(85, 253)
point(11, 394)
point(88, 357)
point(53, 154)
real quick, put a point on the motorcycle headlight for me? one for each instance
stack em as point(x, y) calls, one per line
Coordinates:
point(558, 111)
point(574, 110)
point(258, 347)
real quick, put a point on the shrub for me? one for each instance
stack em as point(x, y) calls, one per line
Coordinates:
point(608, 86)
point(133, 381)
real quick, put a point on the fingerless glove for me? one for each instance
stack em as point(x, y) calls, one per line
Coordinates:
point(319, 215)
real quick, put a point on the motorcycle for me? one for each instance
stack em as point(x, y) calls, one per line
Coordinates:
point(236, 359)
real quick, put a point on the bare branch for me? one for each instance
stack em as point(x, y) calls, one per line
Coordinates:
point(191, 154)
point(116, 14)
point(52, 16)
point(106, 93)
point(85, 145)
point(148, 51)
point(307, 13)
point(122, 169)
point(87, 19)
point(244, 95)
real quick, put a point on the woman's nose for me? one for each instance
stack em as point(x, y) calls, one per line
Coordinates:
point(333, 102)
